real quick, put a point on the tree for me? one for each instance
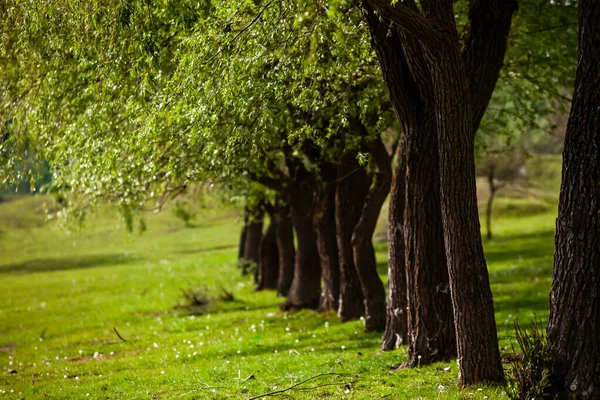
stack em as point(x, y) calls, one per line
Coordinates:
point(574, 322)
point(455, 88)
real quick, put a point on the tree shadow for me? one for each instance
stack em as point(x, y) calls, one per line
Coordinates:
point(66, 263)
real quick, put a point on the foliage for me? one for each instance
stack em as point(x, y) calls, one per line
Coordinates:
point(529, 375)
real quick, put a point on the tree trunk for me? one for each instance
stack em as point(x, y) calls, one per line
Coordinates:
point(477, 338)
point(242, 245)
point(574, 322)
point(431, 333)
point(252, 243)
point(324, 222)
point(396, 327)
point(457, 87)
point(352, 187)
point(268, 265)
point(490, 203)
point(305, 290)
point(362, 240)
point(284, 233)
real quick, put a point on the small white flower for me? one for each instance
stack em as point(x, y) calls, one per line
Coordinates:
point(343, 347)
point(441, 388)
point(312, 349)
point(155, 345)
point(76, 378)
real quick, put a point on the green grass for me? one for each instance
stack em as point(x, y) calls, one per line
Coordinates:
point(63, 293)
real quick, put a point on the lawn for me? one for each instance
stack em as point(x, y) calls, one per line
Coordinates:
point(66, 294)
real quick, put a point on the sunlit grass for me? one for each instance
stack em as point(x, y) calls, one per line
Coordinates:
point(63, 295)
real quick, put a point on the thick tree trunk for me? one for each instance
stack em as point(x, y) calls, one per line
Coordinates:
point(305, 290)
point(431, 333)
point(396, 327)
point(417, 261)
point(324, 222)
point(268, 264)
point(362, 240)
point(477, 338)
point(574, 323)
point(252, 242)
point(353, 185)
point(284, 233)
point(458, 87)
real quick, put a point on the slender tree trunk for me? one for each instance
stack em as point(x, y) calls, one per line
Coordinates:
point(252, 243)
point(305, 290)
point(284, 233)
point(242, 245)
point(490, 203)
point(362, 240)
point(352, 187)
point(431, 333)
point(396, 327)
point(268, 265)
point(574, 323)
point(324, 221)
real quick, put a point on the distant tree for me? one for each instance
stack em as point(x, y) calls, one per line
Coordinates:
point(574, 322)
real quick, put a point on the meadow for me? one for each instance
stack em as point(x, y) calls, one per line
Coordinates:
point(99, 313)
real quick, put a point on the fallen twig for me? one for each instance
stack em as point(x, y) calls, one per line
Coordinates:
point(118, 334)
point(301, 383)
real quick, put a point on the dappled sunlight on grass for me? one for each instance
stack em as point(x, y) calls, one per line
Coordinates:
point(62, 302)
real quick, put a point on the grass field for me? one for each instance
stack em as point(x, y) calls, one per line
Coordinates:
point(63, 294)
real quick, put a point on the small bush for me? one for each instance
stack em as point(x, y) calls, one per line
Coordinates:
point(195, 300)
point(183, 211)
point(529, 372)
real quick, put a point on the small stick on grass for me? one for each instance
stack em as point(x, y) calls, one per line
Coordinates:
point(298, 384)
point(118, 334)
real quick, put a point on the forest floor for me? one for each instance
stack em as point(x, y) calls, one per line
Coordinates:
point(98, 313)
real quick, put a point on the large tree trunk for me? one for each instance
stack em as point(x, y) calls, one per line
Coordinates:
point(396, 327)
point(431, 333)
point(574, 323)
point(268, 265)
point(417, 261)
point(284, 233)
point(362, 239)
point(252, 238)
point(242, 245)
point(353, 185)
point(324, 222)
point(305, 290)
point(457, 87)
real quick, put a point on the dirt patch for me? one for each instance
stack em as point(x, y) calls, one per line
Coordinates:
point(8, 348)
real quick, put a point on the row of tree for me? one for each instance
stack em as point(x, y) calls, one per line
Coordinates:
point(291, 106)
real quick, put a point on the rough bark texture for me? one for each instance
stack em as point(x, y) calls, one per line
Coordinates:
point(452, 82)
point(416, 245)
point(352, 187)
point(362, 240)
point(324, 222)
point(490, 203)
point(268, 264)
point(396, 327)
point(284, 233)
point(431, 332)
point(574, 323)
point(305, 290)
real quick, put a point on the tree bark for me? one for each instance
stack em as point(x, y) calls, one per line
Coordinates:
point(416, 244)
point(242, 245)
point(268, 265)
point(362, 239)
point(324, 222)
point(284, 233)
point(252, 241)
point(574, 322)
point(352, 187)
point(457, 87)
point(431, 332)
point(305, 290)
point(396, 326)
point(490, 203)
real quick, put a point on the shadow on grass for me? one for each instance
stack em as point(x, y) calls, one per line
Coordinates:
point(205, 249)
point(66, 263)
